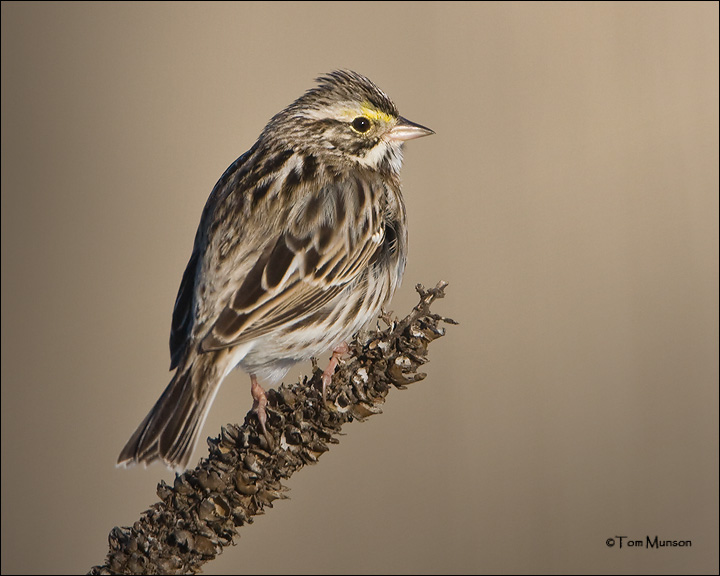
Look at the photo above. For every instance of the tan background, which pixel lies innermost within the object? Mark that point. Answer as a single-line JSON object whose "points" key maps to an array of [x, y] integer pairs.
{"points": [[570, 197]]}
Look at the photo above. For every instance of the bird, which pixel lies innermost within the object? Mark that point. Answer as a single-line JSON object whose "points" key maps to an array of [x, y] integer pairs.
{"points": [[301, 243]]}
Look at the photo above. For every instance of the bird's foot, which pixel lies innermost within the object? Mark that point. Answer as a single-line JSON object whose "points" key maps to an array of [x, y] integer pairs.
{"points": [[259, 402], [330, 370]]}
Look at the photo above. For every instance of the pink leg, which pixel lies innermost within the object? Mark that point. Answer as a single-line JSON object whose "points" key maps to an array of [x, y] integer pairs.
{"points": [[330, 370], [260, 401]]}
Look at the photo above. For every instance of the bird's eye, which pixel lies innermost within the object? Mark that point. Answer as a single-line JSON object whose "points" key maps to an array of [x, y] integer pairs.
{"points": [[361, 124]]}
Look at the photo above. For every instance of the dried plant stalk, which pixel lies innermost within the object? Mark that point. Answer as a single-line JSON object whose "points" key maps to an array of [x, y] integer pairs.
{"points": [[201, 513]]}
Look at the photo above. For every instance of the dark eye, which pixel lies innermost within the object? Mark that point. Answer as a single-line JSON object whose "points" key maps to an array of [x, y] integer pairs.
{"points": [[361, 124]]}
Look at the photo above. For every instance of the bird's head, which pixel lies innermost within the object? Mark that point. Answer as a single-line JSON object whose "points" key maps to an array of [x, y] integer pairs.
{"points": [[346, 118]]}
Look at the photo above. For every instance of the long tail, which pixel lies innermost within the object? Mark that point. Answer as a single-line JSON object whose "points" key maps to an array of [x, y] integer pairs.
{"points": [[170, 431]]}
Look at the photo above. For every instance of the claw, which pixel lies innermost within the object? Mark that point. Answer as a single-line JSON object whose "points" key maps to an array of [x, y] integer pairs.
{"points": [[259, 402], [330, 370]]}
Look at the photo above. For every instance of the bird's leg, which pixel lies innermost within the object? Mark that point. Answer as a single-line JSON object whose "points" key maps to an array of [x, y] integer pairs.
{"points": [[330, 370], [259, 402]]}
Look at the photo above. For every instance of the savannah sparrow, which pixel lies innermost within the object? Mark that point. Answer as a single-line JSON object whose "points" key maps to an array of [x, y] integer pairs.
{"points": [[301, 242]]}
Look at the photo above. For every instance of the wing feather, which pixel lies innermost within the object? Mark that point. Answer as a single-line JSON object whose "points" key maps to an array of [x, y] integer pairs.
{"points": [[182, 319], [299, 273]]}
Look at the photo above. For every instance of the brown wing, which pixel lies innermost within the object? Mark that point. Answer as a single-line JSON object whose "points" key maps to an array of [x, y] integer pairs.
{"points": [[182, 320], [304, 267]]}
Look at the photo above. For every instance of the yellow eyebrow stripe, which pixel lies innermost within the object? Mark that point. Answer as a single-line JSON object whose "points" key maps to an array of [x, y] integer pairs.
{"points": [[376, 115], [366, 110]]}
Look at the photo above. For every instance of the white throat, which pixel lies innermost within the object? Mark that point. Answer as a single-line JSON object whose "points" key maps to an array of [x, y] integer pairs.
{"points": [[383, 149]]}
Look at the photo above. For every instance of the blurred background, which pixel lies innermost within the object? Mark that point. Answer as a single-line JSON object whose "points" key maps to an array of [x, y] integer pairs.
{"points": [[570, 198]]}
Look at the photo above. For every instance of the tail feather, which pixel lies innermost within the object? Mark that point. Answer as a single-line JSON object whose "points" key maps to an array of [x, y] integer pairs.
{"points": [[169, 433]]}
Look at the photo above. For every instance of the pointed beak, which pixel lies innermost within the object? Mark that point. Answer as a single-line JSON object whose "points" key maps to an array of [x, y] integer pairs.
{"points": [[406, 130]]}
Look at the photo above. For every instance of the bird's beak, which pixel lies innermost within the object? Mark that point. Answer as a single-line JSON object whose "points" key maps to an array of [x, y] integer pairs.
{"points": [[406, 130]]}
